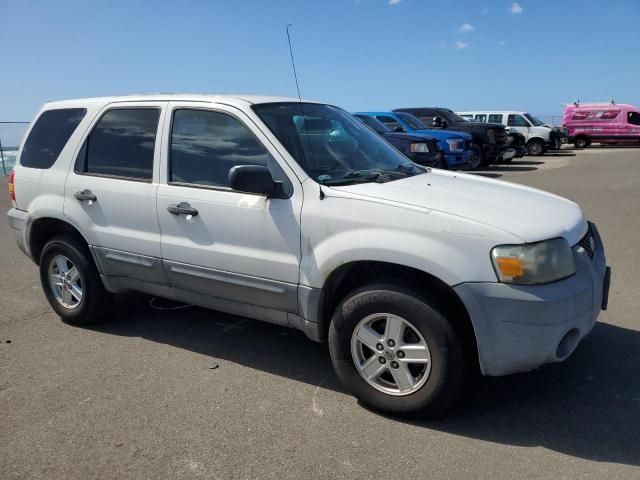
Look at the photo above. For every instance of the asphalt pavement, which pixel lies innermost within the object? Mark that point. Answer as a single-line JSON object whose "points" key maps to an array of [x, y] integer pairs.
{"points": [[165, 392]]}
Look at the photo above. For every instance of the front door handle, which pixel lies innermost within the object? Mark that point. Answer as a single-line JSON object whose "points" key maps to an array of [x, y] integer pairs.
{"points": [[182, 208], [85, 195]]}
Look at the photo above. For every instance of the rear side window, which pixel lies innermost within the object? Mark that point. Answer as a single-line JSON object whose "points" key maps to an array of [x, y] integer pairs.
{"points": [[49, 135], [121, 144], [390, 122], [481, 117], [205, 145], [495, 118]]}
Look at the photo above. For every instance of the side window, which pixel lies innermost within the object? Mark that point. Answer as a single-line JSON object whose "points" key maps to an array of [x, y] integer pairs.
{"points": [[49, 135], [390, 122], [610, 114], [495, 118], [517, 121], [121, 144], [634, 118], [205, 145], [481, 117]]}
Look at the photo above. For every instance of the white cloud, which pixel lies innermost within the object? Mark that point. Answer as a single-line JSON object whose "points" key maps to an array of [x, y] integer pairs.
{"points": [[460, 45], [502, 43], [466, 28], [515, 8], [394, 2]]}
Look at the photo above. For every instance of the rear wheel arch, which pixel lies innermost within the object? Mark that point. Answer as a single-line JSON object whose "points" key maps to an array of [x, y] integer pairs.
{"points": [[354, 275], [44, 229]]}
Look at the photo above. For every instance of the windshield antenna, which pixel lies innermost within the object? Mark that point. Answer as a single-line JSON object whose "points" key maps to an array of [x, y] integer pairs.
{"points": [[295, 76]]}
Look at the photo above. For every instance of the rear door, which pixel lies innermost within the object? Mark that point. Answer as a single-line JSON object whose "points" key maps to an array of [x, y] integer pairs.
{"points": [[110, 192], [239, 246]]}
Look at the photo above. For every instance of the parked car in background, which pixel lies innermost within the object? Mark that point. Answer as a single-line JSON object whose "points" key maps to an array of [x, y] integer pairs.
{"points": [[455, 146], [421, 149], [489, 140], [539, 137], [295, 213], [602, 123]]}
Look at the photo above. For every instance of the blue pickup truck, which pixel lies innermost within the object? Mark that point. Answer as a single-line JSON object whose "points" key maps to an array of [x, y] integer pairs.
{"points": [[456, 146], [420, 149]]}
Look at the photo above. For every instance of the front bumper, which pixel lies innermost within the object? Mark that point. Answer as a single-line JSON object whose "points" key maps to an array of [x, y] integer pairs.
{"points": [[20, 221], [431, 159], [458, 160], [521, 327]]}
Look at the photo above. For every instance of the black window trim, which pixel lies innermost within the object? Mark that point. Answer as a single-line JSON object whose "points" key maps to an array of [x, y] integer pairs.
{"points": [[83, 162], [202, 186], [32, 126]]}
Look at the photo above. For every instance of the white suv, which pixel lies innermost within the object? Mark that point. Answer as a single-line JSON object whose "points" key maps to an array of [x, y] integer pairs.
{"points": [[298, 214]]}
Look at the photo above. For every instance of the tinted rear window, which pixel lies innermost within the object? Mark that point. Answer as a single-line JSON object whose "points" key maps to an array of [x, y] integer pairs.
{"points": [[121, 144], [49, 135]]}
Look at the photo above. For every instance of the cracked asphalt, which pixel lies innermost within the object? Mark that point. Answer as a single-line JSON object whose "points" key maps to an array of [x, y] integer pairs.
{"points": [[137, 397]]}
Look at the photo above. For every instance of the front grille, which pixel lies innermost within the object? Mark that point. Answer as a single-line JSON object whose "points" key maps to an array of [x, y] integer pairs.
{"points": [[588, 242]]}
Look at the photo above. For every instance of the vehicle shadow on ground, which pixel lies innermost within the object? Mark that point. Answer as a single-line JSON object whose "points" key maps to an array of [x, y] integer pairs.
{"points": [[587, 407], [559, 153]]}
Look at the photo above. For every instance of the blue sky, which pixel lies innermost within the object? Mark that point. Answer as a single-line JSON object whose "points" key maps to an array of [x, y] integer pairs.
{"points": [[359, 54]]}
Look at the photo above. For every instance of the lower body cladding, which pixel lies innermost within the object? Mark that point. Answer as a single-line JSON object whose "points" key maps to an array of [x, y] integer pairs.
{"points": [[521, 327], [254, 297]]}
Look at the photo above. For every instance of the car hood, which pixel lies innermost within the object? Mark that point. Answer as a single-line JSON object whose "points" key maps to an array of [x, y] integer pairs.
{"points": [[528, 213], [443, 134], [413, 137]]}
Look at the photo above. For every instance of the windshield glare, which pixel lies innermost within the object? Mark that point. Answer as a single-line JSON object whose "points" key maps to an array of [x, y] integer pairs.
{"points": [[330, 144], [534, 120], [412, 121]]}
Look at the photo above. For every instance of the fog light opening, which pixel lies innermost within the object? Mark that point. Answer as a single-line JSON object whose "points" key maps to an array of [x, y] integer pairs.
{"points": [[568, 344]]}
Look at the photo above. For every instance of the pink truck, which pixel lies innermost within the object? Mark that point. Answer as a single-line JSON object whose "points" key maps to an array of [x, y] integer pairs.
{"points": [[601, 123]]}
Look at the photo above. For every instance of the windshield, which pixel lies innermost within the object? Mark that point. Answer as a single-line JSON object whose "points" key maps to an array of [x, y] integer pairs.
{"points": [[451, 116], [373, 123], [412, 121], [332, 146], [534, 120]]}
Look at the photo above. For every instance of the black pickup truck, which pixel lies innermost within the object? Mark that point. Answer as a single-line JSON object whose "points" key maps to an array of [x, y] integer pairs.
{"points": [[490, 140]]}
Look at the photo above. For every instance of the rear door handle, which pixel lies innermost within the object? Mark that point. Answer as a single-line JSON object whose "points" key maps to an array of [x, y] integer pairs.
{"points": [[86, 195], [182, 208]]}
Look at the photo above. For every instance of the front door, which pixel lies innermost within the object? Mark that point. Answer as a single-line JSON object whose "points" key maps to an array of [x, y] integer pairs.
{"points": [[232, 245], [110, 193], [518, 123]]}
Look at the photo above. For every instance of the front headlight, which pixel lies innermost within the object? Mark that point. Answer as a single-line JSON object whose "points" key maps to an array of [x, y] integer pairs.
{"points": [[455, 145], [528, 264], [420, 148]]}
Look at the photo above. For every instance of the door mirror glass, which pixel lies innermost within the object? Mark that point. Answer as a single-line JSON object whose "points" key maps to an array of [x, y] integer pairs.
{"points": [[255, 179], [439, 122]]}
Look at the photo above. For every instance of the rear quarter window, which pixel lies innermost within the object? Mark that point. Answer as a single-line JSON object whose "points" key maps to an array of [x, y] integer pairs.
{"points": [[49, 135]]}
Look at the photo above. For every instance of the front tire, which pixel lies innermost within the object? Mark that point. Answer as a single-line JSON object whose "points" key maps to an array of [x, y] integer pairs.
{"points": [[71, 282], [478, 159], [396, 351], [535, 147]]}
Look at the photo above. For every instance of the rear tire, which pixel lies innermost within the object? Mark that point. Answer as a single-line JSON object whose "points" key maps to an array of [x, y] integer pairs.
{"points": [[71, 282], [581, 142], [422, 389], [535, 147]]}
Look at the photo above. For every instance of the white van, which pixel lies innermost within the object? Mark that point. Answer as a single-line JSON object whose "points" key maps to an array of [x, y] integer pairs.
{"points": [[299, 214], [538, 135]]}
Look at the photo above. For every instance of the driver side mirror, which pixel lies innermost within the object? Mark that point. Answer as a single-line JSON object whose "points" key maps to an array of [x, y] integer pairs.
{"points": [[398, 129], [255, 179], [439, 122]]}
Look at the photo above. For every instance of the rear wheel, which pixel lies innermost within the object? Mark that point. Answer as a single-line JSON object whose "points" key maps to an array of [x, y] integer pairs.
{"points": [[535, 147], [581, 142], [396, 352], [71, 281]]}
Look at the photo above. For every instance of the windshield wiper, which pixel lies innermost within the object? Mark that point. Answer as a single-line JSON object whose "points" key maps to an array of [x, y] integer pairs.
{"points": [[352, 177]]}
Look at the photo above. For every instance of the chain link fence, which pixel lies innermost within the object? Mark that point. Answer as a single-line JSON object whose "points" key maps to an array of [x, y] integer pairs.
{"points": [[11, 134]]}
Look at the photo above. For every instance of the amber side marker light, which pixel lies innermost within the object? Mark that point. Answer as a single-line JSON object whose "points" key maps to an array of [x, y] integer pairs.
{"points": [[12, 189], [510, 267]]}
